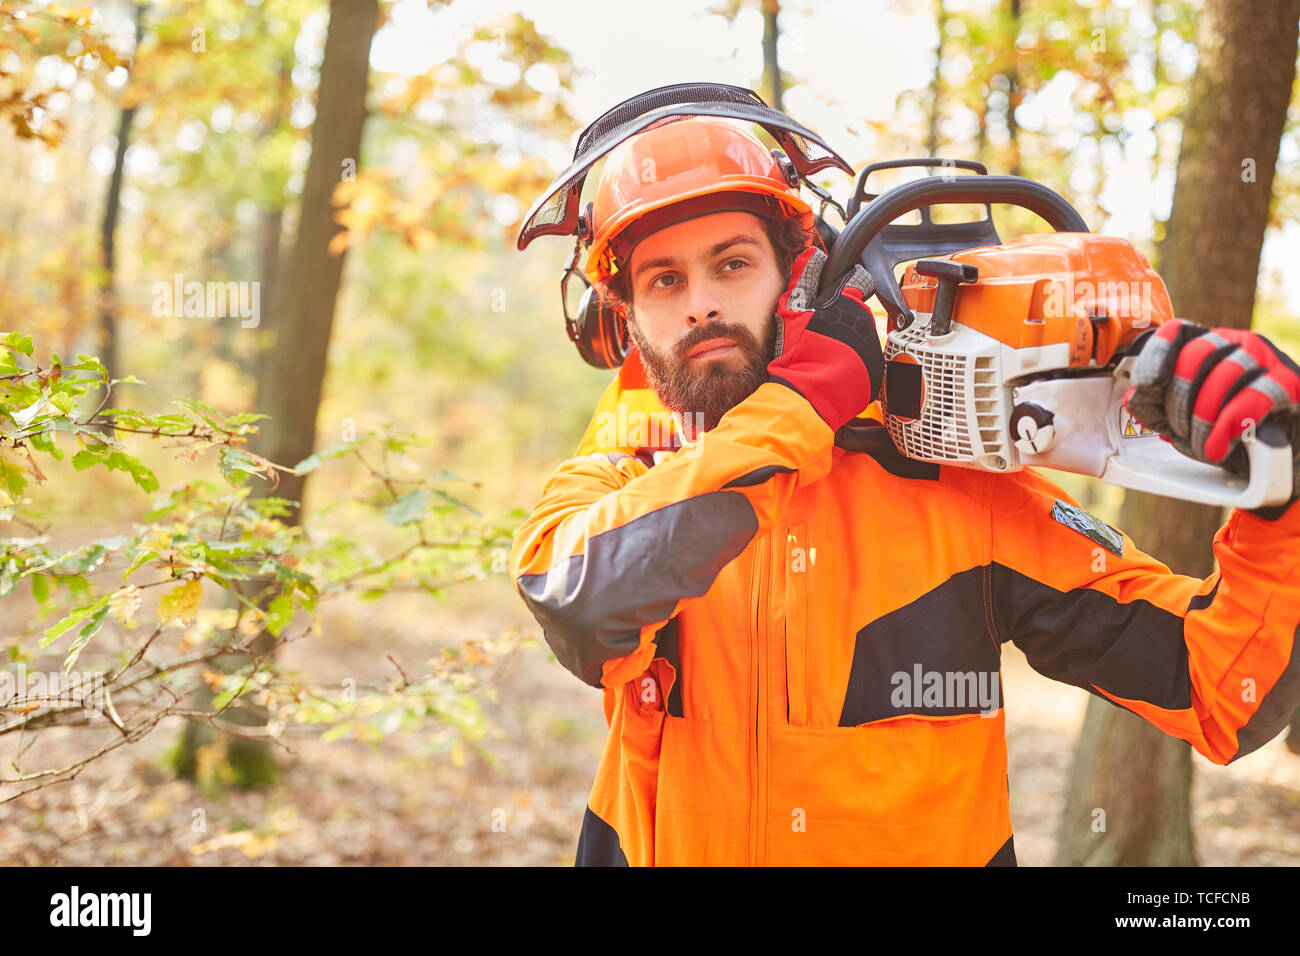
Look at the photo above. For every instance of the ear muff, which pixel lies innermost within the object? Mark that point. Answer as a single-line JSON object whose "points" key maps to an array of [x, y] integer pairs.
{"points": [[597, 329], [599, 332]]}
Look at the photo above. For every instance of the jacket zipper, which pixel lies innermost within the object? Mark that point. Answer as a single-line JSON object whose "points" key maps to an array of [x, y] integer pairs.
{"points": [[758, 808]]}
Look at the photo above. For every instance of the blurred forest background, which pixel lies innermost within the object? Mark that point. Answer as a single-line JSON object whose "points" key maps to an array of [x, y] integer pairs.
{"points": [[261, 252]]}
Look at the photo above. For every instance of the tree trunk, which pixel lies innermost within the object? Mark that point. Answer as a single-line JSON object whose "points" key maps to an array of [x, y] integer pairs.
{"points": [[107, 338], [270, 227], [1210, 261], [292, 371], [270, 224], [934, 107], [771, 66], [1013, 92], [1129, 797]]}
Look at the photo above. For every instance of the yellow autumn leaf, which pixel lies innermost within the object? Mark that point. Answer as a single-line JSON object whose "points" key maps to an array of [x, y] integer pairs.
{"points": [[181, 603], [158, 540]]}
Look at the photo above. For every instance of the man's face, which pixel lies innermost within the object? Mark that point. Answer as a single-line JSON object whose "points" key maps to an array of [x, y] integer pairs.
{"points": [[704, 314]]}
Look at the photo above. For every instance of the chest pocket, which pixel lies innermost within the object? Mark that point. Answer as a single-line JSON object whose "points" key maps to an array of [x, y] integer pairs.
{"points": [[799, 560]]}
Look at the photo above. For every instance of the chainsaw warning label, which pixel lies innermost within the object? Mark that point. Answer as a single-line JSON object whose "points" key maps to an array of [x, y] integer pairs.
{"points": [[1130, 427]]}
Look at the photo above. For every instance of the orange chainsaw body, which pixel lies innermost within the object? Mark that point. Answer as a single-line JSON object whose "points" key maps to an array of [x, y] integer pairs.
{"points": [[1095, 292]]}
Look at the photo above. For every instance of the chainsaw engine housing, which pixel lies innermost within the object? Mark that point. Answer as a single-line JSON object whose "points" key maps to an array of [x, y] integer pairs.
{"points": [[1043, 307]]}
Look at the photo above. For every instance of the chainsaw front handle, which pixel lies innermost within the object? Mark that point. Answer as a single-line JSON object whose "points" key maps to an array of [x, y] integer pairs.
{"points": [[1089, 431]]}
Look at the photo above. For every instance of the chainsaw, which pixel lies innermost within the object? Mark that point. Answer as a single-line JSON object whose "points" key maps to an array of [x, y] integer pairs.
{"points": [[1006, 354], [999, 354]]}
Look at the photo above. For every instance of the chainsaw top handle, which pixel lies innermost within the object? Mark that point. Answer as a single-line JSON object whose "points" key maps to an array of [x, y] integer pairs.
{"points": [[869, 238], [860, 194]]}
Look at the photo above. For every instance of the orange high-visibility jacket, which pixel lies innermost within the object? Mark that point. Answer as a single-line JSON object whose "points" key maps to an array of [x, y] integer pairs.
{"points": [[798, 634]]}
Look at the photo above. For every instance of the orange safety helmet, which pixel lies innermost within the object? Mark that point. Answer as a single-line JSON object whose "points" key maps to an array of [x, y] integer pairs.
{"points": [[672, 164]]}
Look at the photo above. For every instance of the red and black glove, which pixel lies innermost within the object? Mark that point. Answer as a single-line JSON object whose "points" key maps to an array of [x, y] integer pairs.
{"points": [[1203, 389], [828, 349]]}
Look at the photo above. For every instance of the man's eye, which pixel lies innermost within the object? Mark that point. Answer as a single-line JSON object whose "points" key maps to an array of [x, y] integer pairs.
{"points": [[667, 278], [740, 263]]}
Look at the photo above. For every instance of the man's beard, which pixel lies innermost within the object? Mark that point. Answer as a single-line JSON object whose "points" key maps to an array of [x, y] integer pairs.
{"points": [[702, 392]]}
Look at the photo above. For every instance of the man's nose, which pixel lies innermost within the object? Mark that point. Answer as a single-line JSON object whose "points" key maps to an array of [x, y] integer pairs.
{"points": [[704, 305]]}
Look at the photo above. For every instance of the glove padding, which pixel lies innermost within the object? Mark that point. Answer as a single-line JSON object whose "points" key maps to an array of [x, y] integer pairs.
{"points": [[1204, 389], [827, 349]]}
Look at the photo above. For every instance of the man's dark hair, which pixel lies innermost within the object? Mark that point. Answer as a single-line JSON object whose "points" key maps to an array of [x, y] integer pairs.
{"points": [[790, 235]]}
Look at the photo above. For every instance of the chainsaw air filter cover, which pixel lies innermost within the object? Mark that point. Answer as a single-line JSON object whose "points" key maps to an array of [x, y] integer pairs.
{"points": [[1092, 293]]}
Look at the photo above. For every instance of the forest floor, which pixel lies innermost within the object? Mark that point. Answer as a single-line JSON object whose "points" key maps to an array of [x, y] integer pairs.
{"points": [[395, 804]]}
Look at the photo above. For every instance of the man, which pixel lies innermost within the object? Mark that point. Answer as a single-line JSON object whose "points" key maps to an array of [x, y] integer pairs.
{"points": [[796, 629]]}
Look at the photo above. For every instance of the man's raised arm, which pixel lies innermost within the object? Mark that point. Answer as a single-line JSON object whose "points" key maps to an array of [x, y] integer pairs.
{"points": [[1215, 662], [616, 548]]}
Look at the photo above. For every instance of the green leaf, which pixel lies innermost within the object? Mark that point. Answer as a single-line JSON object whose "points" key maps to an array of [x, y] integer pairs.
{"points": [[140, 559], [25, 416], [89, 363], [139, 472], [279, 614], [88, 630], [116, 461], [337, 731], [458, 503], [87, 458], [200, 409], [64, 402], [234, 464], [13, 479], [40, 588], [245, 418], [312, 462], [307, 465], [92, 559], [45, 442], [78, 585], [78, 615], [408, 509], [18, 342]]}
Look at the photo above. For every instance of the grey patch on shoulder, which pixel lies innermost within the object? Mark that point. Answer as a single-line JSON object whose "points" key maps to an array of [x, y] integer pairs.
{"points": [[1089, 526]]}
